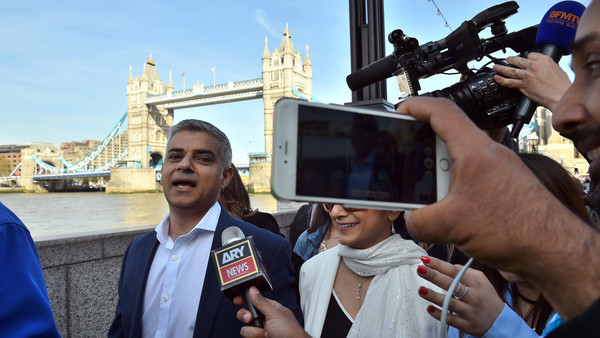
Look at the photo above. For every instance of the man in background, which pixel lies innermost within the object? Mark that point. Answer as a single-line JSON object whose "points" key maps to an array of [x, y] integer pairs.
{"points": [[24, 306]]}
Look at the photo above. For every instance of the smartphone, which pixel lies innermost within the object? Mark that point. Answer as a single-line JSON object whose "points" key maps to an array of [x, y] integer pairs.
{"points": [[356, 157]]}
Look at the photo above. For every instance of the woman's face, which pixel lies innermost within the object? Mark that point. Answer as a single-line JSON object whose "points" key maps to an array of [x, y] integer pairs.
{"points": [[363, 228], [333, 223]]}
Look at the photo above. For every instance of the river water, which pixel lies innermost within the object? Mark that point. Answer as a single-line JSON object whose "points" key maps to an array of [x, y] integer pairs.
{"points": [[55, 215]]}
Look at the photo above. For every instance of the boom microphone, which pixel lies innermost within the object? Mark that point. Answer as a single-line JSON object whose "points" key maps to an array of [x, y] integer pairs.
{"points": [[554, 36], [239, 267], [380, 69]]}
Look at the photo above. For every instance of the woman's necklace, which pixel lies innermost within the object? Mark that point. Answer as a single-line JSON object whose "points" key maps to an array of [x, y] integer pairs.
{"points": [[360, 284], [323, 245]]}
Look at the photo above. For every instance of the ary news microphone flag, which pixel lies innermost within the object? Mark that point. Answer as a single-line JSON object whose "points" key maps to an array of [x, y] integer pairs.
{"points": [[554, 36], [239, 267]]}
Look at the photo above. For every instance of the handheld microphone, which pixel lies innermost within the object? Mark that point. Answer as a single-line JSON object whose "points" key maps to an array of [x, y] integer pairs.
{"points": [[239, 267], [554, 36]]}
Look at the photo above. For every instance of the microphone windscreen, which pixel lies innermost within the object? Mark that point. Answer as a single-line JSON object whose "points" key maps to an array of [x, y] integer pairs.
{"points": [[231, 234], [376, 71], [559, 24]]}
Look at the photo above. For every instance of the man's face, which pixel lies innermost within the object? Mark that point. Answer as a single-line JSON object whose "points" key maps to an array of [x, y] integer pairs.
{"points": [[192, 173], [577, 116], [364, 135]]}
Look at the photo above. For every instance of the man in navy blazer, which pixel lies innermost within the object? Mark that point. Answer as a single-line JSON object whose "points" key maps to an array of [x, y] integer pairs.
{"points": [[168, 285]]}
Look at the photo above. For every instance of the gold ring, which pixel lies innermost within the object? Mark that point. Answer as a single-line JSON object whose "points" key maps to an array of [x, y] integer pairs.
{"points": [[517, 73]]}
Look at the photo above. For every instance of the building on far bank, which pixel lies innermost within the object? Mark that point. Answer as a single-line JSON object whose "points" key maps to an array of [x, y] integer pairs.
{"points": [[547, 141], [11, 154], [76, 151]]}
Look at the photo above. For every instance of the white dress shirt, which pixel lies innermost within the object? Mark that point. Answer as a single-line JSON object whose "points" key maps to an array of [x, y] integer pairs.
{"points": [[176, 278], [359, 180]]}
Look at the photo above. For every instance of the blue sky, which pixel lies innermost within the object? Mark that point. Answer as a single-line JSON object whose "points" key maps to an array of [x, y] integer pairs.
{"points": [[64, 64]]}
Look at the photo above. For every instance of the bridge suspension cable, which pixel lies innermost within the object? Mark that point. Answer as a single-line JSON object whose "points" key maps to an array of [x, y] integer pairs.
{"points": [[114, 160], [15, 170], [45, 166], [83, 163], [301, 96], [81, 166]]}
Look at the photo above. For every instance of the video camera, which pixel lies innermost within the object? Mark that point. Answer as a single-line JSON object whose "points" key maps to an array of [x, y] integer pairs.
{"points": [[487, 103]]}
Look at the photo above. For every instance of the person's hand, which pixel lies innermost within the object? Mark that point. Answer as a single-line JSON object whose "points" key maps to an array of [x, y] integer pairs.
{"points": [[538, 77], [496, 134], [489, 185], [280, 322], [498, 212], [474, 308]]}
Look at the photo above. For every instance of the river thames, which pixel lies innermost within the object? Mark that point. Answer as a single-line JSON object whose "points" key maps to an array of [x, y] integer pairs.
{"points": [[54, 215]]}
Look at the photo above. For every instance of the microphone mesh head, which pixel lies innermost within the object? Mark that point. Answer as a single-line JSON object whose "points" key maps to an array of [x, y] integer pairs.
{"points": [[231, 234]]}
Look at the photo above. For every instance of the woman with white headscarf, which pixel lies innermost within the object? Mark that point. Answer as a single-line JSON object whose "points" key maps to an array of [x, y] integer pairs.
{"points": [[366, 286]]}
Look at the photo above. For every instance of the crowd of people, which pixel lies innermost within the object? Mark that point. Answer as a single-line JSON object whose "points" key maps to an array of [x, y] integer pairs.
{"points": [[353, 272], [525, 222]]}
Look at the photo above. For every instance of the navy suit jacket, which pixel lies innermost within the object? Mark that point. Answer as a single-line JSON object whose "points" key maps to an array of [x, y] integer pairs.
{"points": [[216, 313]]}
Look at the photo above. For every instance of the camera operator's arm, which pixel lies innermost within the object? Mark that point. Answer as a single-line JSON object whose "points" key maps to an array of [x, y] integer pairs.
{"points": [[538, 77], [280, 322], [498, 212]]}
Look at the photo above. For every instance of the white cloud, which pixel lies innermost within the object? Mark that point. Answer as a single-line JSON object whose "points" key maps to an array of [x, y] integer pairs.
{"points": [[261, 17]]}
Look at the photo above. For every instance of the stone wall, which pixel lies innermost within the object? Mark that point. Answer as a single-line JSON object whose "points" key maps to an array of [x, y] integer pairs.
{"points": [[128, 180], [82, 273]]}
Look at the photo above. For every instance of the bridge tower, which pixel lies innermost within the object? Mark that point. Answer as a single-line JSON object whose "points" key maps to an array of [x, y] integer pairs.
{"points": [[46, 152], [148, 125], [282, 72]]}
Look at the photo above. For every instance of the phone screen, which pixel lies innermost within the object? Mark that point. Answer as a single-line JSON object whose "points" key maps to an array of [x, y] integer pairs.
{"points": [[357, 156]]}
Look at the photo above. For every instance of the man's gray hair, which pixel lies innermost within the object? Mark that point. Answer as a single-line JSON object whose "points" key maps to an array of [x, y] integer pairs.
{"points": [[199, 125]]}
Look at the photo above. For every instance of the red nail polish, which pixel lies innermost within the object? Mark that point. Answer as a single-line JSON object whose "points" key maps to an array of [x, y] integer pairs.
{"points": [[430, 309], [421, 269], [423, 291], [425, 259]]}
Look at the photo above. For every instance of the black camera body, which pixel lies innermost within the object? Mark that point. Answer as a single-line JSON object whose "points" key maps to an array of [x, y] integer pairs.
{"points": [[487, 103]]}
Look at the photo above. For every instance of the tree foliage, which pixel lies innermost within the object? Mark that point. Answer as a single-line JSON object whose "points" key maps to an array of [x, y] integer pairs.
{"points": [[4, 167]]}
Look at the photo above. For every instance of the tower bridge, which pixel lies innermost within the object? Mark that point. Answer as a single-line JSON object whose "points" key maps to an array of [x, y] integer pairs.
{"points": [[151, 106], [203, 96]]}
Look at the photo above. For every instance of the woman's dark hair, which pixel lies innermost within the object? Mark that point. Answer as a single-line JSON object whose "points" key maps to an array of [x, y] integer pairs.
{"points": [[319, 217], [235, 199], [560, 183]]}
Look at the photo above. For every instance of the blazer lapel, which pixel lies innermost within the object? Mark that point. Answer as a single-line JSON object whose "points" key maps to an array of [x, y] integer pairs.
{"points": [[149, 244], [211, 297]]}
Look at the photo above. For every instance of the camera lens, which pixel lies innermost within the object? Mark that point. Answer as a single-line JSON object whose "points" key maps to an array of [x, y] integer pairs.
{"points": [[487, 103]]}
